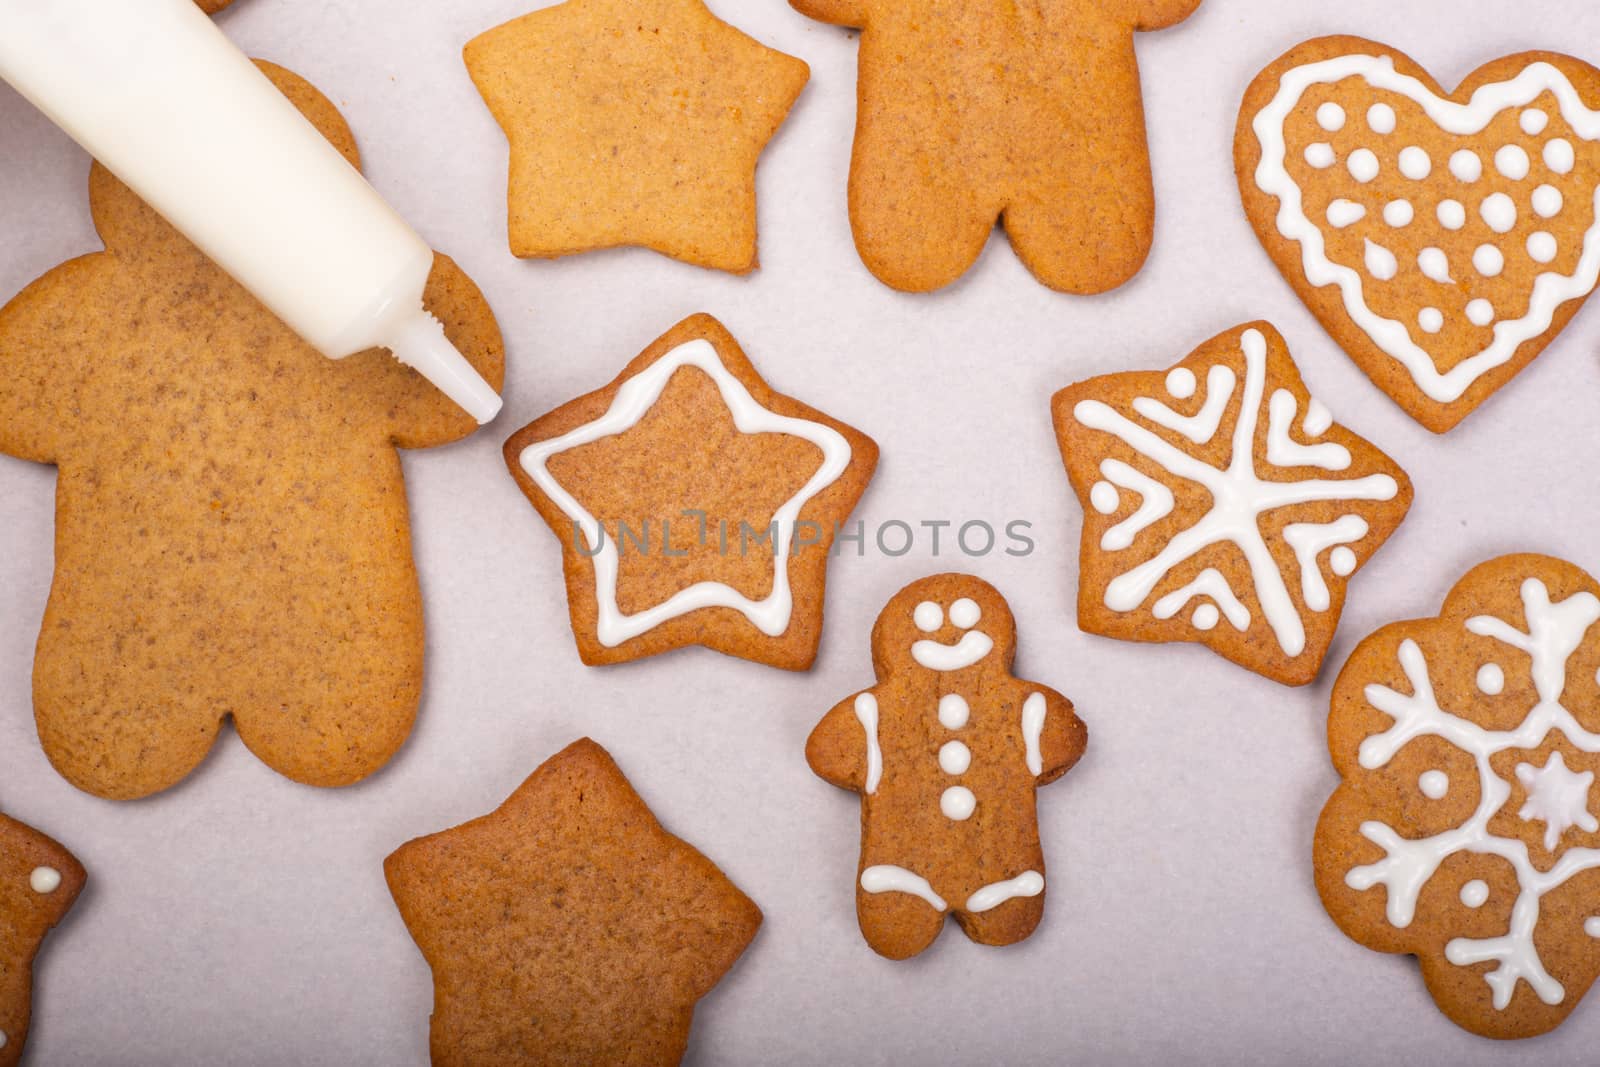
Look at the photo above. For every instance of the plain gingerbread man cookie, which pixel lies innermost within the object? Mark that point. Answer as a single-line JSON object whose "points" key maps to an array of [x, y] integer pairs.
{"points": [[1027, 112], [231, 528], [946, 751]]}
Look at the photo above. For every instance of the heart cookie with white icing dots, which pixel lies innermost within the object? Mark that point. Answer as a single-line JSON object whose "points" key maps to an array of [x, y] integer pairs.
{"points": [[1443, 239]]}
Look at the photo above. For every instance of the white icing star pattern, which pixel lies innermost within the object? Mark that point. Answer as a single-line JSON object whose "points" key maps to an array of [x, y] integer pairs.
{"points": [[1557, 797]]}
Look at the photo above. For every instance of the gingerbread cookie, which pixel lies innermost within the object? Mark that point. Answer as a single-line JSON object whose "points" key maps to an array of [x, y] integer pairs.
{"points": [[694, 505], [946, 751], [231, 527], [1444, 239], [1466, 830], [992, 110], [39, 881], [634, 122], [567, 926], [1222, 504]]}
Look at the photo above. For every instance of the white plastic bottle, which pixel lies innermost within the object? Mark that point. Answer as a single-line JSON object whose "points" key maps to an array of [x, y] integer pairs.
{"points": [[163, 99]]}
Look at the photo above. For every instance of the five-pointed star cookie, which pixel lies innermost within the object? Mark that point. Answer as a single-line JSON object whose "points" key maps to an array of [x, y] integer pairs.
{"points": [[39, 881], [634, 122], [567, 926], [694, 505]]}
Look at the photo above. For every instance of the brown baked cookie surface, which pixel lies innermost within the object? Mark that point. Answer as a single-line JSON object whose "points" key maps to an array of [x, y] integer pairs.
{"points": [[694, 505], [946, 750], [1030, 114], [1222, 504], [1466, 830], [633, 122], [231, 527], [567, 926], [39, 881], [1443, 239]]}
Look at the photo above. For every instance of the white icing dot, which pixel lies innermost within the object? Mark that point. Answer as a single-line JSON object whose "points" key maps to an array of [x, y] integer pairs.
{"points": [[1591, 926], [1558, 155], [1480, 312], [1475, 894], [1452, 215], [1180, 381], [1488, 260], [965, 613], [1499, 211], [1398, 213], [1466, 165], [1320, 155], [1511, 161], [1363, 165], [957, 803], [1104, 498], [1434, 784], [1542, 246], [1206, 617], [954, 757], [1343, 561], [1435, 264], [1380, 117], [1547, 201], [1491, 679], [44, 880], [1381, 263], [1431, 320], [1414, 163], [953, 711], [1533, 121], [1318, 418], [1330, 116], [1342, 213], [928, 616], [2, 1039]]}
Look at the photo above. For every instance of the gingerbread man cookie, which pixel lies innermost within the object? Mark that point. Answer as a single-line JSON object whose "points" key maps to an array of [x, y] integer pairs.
{"points": [[1029, 113], [231, 528], [39, 881], [946, 751]]}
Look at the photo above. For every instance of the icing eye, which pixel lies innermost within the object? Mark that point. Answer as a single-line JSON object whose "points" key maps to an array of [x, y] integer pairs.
{"points": [[928, 616], [44, 880], [965, 613]]}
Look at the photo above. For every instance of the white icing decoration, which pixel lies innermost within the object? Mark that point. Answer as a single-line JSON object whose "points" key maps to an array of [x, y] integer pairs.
{"points": [[1414, 163], [1320, 155], [973, 646], [44, 880], [1431, 320], [928, 616], [1555, 631], [1026, 884], [1380, 262], [1330, 116], [1380, 118], [1205, 617], [1480, 312], [1435, 265], [1452, 214], [1491, 679], [1181, 383], [1202, 425], [1499, 211], [953, 711], [1283, 451], [1475, 894], [1557, 797], [887, 878], [1239, 496], [1363, 165], [867, 715], [1542, 246], [1342, 561], [1533, 121], [1155, 503], [1512, 162], [965, 613], [1033, 712], [632, 402], [1591, 926], [1309, 540], [2, 1039], [1550, 290], [1398, 213], [1466, 166], [957, 803], [1488, 261], [1434, 784], [1103, 497], [1547, 201], [1209, 582], [1342, 213], [1318, 419], [954, 757]]}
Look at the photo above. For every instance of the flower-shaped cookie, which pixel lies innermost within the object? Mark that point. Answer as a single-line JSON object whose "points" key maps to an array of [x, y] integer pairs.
{"points": [[1467, 830], [1222, 504]]}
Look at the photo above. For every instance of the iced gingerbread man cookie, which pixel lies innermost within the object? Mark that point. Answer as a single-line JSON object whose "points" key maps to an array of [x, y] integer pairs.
{"points": [[39, 881], [946, 751], [1444, 239], [1222, 504]]}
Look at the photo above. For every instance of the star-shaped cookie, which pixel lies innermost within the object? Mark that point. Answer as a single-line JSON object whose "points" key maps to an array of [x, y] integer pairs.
{"points": [[39, 881], [567, 926], [634, 122], [694, 505]]}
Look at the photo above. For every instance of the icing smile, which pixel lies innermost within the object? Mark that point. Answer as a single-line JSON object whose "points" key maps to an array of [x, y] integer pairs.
{"points": [[937, 656]]}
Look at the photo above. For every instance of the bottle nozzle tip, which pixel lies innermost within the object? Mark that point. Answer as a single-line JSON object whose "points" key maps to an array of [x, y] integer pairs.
{"points": [[420, 343]]}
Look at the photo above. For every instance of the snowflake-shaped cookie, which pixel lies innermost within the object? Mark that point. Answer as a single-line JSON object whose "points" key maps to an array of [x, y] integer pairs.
{"points": [[1223, 505], [1466, 831]]}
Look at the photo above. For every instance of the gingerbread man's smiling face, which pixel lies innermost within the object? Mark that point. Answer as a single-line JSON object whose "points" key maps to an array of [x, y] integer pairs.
{"points": [[947, 623]]}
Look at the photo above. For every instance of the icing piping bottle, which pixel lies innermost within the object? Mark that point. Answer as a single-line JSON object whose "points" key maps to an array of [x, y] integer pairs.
{"points": [[169, 105]]}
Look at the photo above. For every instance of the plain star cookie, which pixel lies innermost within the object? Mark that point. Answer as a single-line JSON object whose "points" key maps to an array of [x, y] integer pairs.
{"points": [[946, 750], [694, 505], [1026, 113], [1222, 504], [1444, 239], [634, 122], [39, 881], [1466, 830], [567, 926], [232, 536]]}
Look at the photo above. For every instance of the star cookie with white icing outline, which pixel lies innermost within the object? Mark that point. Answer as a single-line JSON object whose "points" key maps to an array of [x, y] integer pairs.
{"points": [[1443, 239], [1222, 504], [694, 504], [947, 749], [39, 882], [1465, 830]]}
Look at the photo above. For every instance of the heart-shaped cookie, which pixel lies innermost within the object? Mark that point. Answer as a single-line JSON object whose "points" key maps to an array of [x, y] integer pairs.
{"points": [[1443, 239]]}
